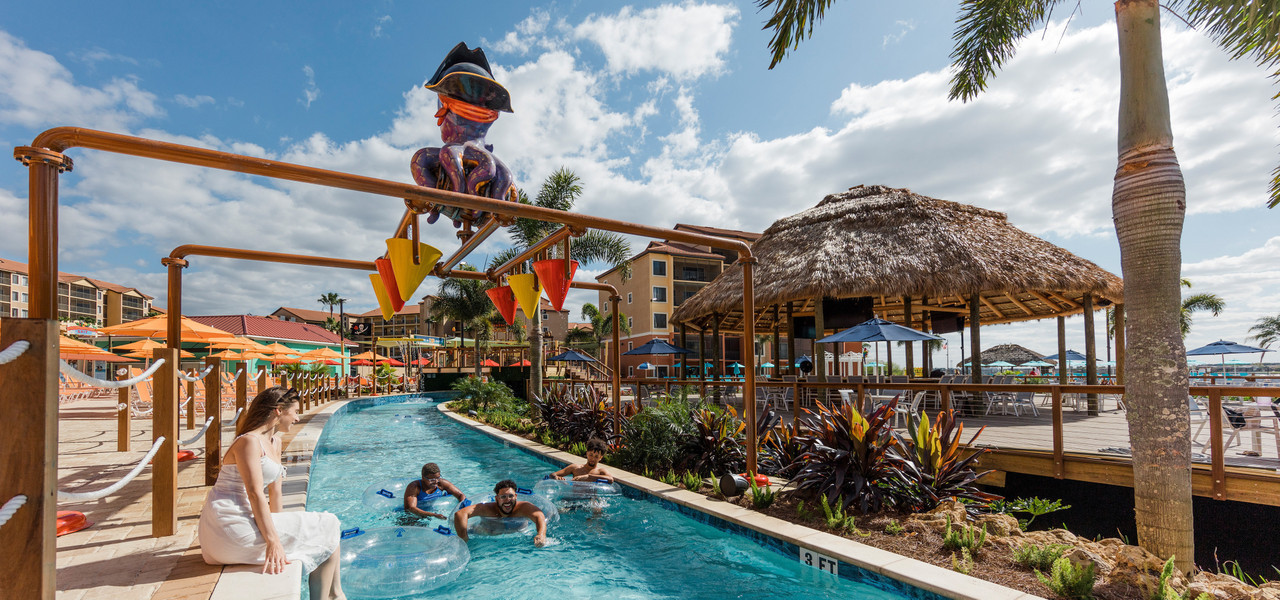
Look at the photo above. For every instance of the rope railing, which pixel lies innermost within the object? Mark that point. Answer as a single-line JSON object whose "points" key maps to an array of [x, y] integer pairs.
{"points": [[75, 374], [136, 412], [233, 419], [107, 491], [199, 434], [197, 377], [11, 507], [14, 351]]}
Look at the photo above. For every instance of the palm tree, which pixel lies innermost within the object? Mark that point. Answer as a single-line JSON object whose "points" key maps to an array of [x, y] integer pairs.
{"points": [[560, 191], [602, 326], [465, 302], [331, 299], [1266, 331], [1198, 302], [1148, 204]]}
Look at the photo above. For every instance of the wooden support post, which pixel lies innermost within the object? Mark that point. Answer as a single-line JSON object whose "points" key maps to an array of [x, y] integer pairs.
{"points": [[819, 353], [615, 358], [749, 384], [702, 362], [926, 325], [213, 408], [1090, 353], [124, 418], [262, 379], [191, 408], [1120, 348], [791, 342], [242, 392], [777, 346], [1217, 453], [30, 450], [1063, 369], [944, 397], [1058, 458], [164, 467], [975, 341], [909, 322]]}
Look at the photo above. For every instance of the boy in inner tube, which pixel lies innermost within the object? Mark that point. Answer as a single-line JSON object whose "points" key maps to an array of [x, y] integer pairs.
{"points": [[424, 490], [591, 470], [505, 506]]}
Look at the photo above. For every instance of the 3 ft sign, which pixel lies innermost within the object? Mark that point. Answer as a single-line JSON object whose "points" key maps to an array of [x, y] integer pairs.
{"points": [[819, 561]]}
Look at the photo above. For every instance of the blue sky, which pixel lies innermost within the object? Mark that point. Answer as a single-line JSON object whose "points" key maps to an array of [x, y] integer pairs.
{"points": [[667, 111]]}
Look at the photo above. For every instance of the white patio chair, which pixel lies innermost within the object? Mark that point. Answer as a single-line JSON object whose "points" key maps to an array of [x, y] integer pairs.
{"points": [[1199, 418], [1256, 423]]}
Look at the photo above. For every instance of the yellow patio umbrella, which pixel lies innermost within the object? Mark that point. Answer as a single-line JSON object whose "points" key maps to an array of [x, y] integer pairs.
{"points": [[323, 354], [157, 327], [146, 345]]}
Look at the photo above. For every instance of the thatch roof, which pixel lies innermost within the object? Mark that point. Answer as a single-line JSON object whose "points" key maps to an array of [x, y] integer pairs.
{"points": [[1010, 353], [889, 243]]}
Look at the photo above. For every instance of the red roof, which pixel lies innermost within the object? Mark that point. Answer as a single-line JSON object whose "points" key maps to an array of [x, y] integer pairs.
{"points": [[409, 309], [306, 314], [273, 329]]}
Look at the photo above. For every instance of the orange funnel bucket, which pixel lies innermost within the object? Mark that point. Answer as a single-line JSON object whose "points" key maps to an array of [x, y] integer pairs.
{"points": [[552, 275], [525, 287], [388, 276], [505, 300], [384, 302], [408, 275]]}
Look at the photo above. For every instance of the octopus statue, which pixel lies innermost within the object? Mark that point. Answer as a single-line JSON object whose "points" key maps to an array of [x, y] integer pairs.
{"points": [[470, 101]]}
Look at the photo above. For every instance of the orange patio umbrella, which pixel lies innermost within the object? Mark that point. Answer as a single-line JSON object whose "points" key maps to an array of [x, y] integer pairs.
{"points": [[369, 355], [323, 354], [227, 355], [234, 343], [157, 327], [146, 345], [278, 348], [146, 355], [72, 349]]}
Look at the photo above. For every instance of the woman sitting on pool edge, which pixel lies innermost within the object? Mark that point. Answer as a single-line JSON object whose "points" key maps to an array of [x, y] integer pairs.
{"points": [[504, 506], [425, 489], [242, 522]]}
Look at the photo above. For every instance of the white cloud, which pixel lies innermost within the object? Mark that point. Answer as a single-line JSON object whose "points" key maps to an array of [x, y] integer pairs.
{"points": [[904, 27], [686, 41], [311, 92], [381, 22], [37, 91], [94, 56], [193, 101], [528, 34]]}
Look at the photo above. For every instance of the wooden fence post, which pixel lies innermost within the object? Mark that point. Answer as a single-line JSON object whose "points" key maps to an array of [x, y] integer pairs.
{"points": [[242, 392], [30, 467], [124, 418], [164, 467], [213, 408]]}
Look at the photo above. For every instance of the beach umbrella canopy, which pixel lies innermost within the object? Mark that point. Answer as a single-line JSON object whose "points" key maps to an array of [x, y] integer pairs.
{"points": [[330, 363], [737, 365], [83, 331], [575, 356], [250, 355], [878, 330], [644, 366], [1072, 356], [998, 363], [322, 353], [234, 343], [158, 327], [146, 345], [657, 346], [422, 362], [1223, 347], [369, 355], [278, 348], [391, 361], [489, 362], [146, 355], [227, 355], [72, 349], [1036, 363], [362, 363], [522, 363], [767, 365]]}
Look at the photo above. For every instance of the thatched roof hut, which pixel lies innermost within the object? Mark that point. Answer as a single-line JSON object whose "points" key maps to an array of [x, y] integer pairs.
{"points": [[887, 244], [1010, 353]]}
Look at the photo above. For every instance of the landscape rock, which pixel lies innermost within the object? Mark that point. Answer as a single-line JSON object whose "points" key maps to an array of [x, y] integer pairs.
{"points": [[1226, 587], [998, 524], [1136, 568]]}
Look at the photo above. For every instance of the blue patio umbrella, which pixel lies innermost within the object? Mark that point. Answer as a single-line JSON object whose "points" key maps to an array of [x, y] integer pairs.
{"points": [[878, 330], [572, 356], [1223, 348], [767, 365], [737, 365], [1036, 363], [998, 363], [1072, 356], [658, 346], [644, 366]]}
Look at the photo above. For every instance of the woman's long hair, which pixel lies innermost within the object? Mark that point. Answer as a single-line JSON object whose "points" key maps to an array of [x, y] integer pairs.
{"points": [[261, 408]]}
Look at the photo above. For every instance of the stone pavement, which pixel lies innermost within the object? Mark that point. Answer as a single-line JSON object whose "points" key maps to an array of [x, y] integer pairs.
{"points": [[116, 557]]}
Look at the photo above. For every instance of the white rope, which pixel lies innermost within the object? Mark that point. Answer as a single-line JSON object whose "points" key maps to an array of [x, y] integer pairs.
{"points": [[199, 434], [103, 383], [11, 507], [14, 351], [193, 378], [233, 419], [107, 491], [239, 373]]}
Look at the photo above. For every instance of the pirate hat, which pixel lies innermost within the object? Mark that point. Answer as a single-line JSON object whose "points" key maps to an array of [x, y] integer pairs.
{"points": [[465, 75]]}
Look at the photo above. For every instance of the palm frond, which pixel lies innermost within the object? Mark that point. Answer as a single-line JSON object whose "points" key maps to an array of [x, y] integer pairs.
{"points": [[600, 246], [1266, 331], [792, 21], [986, 36]]}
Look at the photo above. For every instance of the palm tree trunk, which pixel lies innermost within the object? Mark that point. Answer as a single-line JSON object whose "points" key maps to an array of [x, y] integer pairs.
{"points": [[1148, 204], [476, 338]]}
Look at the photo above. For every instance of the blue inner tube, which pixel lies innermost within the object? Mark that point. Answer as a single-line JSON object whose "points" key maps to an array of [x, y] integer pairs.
{"points": [[565, 489], [394, 562], [506, 525], [388, 495]]}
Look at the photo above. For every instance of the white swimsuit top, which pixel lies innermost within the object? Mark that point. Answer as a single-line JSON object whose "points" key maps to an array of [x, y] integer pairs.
{"points": [[229, 477]]}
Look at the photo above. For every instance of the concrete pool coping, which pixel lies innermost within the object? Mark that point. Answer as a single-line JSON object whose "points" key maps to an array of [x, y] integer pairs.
{"points": [[915, 573]]}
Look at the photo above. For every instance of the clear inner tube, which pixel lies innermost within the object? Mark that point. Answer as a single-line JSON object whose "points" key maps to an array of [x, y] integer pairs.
{"points": [[508, 525], [395, 562], [565, 489], [388, 495]]}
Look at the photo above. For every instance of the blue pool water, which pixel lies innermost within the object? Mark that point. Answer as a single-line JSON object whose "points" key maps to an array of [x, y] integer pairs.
{"points": [[636, 547]]}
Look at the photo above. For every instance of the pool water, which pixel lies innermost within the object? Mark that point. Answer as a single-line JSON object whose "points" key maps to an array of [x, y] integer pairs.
{"points": [[636, 547]]}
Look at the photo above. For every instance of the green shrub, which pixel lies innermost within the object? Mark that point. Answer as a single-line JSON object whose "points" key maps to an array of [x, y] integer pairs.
{"points": [[1033, 506], [578, 448], [1068, 580], [963, 536], [652, 439], [715, 441], [691, 481], [483, 396], [836, 518], [894, 528], [761, 497], [670, 478], [965, 562], [1164, 592], [1036, 557]]}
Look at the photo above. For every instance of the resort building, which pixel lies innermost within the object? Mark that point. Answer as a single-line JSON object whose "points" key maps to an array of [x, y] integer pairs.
{"points": [[81, 299], [300, 336], [663, 276], [303, 315]]}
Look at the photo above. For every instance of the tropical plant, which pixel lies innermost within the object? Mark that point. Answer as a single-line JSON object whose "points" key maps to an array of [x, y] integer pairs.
{"points": [[835, 517], [465, 302], [1266, 331], [894, 527], [1164, 591], [846, 456], [331, 299], [482, 396], [1037, 557], [650, 439], [1148, 206], [1068, 580], [670, 478], [691, 481], [602, 327], [560, 191], [573, 417], [332, 324], [934, 466], [761, 497], [780, 450], [1196, 303], [1034, 506], [959, 535], [964, 564], [715, 442]]}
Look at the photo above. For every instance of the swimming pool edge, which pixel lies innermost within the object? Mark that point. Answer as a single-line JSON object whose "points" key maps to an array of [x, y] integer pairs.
{"points": [[918, 574]]}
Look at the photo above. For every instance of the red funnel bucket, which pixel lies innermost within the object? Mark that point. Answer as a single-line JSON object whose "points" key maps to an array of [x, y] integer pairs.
{"points": [[388, 276], [554, 280], [505, 300]]}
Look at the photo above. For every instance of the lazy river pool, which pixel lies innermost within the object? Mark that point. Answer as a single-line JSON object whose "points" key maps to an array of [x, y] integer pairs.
{"points": [[636, 546]]}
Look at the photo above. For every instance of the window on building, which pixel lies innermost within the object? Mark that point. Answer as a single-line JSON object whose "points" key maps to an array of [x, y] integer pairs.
{"points": [[24, 297], [24, 280], [630, 323], [24, 313], [16, 296], [660, 268], [544, 315], [629, 343], [16, 278], [628, 297], [659, 294], [631, 371], [659, 320], [15, 312]]}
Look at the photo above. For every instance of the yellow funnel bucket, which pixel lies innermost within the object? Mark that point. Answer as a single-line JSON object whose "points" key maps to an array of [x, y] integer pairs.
{"points": [[527, 291], [384, 301], [409, 275]]}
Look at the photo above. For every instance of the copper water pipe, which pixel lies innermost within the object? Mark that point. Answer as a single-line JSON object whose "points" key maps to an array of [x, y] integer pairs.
{"points": [[554, 238], [275, 257], [42, 227], [469, 244]]}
